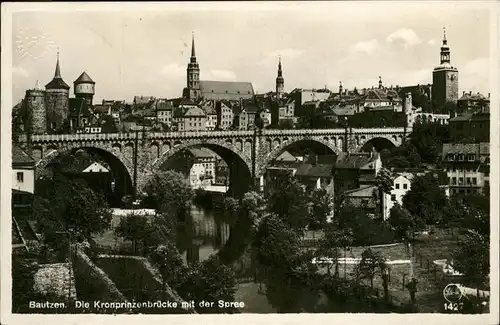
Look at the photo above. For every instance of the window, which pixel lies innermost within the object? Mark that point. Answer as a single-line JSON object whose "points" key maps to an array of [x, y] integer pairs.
{"points": [[468, 180], [20, 177], [474, 180], [486, 174], [393, 197], [451, 157], [405, 186], [460, 181], [471, 158], [460, 157], [397, 186]]}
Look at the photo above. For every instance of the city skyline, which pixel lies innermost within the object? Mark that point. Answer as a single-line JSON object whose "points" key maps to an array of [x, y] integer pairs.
{"points": [[136, 53]]}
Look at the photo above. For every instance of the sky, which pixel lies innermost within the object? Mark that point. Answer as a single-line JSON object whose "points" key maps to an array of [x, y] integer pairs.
{"points": [[144, 49]]}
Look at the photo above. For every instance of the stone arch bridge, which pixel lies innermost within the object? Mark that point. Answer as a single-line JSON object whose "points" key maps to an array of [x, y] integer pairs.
{"points": [[247, 153]]}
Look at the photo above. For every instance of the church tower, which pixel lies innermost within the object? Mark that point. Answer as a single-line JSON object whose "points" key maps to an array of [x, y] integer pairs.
{"points": [[444, 78], [56, 101], [192, 90], [84, 87], [280, 82]]}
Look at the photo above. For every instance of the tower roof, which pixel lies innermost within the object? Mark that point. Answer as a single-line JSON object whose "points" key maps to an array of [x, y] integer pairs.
{"points": [[57, 82], [193, 53], [84, 78]]}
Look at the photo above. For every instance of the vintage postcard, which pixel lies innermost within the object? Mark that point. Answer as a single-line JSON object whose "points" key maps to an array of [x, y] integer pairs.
{"points": [[280, 162]]}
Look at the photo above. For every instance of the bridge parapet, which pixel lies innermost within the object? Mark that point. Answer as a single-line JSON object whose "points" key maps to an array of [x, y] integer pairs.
{"points": [[303, 132], [199, 134]]}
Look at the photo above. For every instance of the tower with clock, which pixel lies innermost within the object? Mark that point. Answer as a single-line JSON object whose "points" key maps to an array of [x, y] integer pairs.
{"points": [[444, 78]]}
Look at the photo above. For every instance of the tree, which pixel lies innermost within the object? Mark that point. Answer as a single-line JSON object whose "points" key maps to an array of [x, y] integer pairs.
{"points": [[384, 184], [211, 281], [371, 264], [289, 201], [108, 124], [276, 243], [277, 250], [169, 262], [133, 227], [425, 199], [168, 191], [72, 207], [428, 138], [285, 124], [472, 257], [401, 220], [328, 246], [321, 208]]}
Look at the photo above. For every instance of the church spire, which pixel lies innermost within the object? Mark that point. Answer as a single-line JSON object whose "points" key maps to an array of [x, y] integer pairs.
{"points": [[280, 72], [280, 81], [193, 53], [445, 50], [380, 82], [57, 74]]}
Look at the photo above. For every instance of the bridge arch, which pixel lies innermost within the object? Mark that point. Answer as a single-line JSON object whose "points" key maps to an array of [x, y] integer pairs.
{"points": [[276, 151], [379, 143], [234, 154], [121, 168]]}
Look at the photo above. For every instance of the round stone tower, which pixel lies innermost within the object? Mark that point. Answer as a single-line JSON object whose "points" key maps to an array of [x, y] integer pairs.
{"points": [[35, 119], [84, 87], [56, 101]]}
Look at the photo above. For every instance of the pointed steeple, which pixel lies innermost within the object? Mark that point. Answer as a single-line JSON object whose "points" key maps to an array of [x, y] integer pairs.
{"points": [[445, 50], [57, 74], [37, 86], [280, 81], [379, 82], [193, 52], [280, 72], [57, 82]]}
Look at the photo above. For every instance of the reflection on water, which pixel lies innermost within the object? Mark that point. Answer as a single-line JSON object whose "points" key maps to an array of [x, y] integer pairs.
{"points": [[210, 232]]}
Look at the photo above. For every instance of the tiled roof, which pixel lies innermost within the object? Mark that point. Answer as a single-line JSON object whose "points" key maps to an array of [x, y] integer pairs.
{"points": [[350, 160], [320, 170], [362, 191], [194, 111], [226, 89], [470, 96], [57, 83], [164, 105], [286, 156], [102, 109], [20, 157], [78, 106], [250, 106], [143, 99], [463, 148], [201, 153], [209, 110], [84, 78], [463, 117]]}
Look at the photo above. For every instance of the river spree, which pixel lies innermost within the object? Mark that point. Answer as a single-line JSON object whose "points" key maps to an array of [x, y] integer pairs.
{"points": [[210, 232]]}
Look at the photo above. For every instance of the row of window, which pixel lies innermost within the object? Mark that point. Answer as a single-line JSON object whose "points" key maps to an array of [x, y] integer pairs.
{"points": [[460, 181], [460, 157]]}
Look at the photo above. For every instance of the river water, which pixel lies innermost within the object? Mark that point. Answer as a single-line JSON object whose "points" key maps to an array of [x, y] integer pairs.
{"points": [[207, 226]]}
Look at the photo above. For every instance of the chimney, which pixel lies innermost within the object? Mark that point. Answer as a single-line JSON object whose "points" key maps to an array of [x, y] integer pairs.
{"points": [[463, 93], [488, 95], [470, 93]]}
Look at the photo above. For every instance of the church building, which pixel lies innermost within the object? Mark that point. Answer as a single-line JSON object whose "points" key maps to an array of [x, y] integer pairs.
{"points": [[212, 90]]}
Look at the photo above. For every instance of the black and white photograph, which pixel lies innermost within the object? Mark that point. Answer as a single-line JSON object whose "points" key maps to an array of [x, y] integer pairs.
{"points": [[237, 158]]}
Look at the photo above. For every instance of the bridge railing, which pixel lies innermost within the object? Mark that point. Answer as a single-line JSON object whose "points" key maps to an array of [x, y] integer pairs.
{"points": [[202, 134]]}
